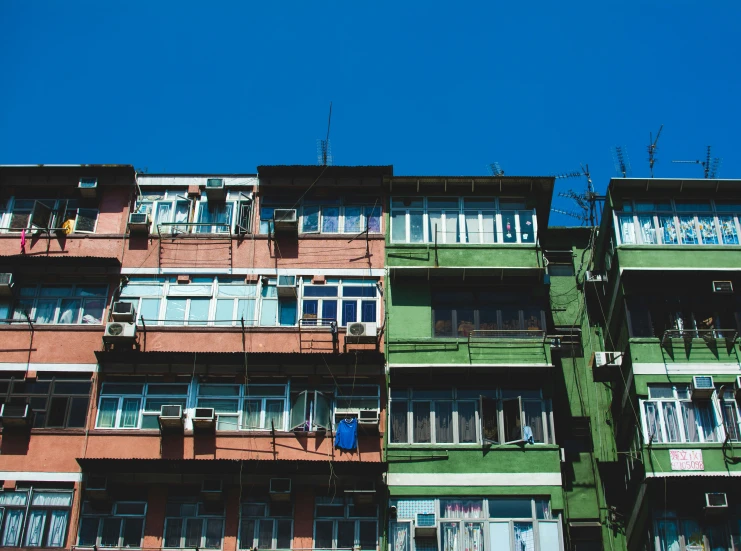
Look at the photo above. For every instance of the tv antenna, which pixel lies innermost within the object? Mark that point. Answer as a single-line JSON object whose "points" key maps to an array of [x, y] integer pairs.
{"points": [[323, 147], [621, 160], [652, 149], [710, 165], [586, 201], [495, 169]]}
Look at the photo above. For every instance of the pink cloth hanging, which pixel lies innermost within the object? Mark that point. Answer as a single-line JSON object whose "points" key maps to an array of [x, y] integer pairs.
{"points": [[23, 241]]}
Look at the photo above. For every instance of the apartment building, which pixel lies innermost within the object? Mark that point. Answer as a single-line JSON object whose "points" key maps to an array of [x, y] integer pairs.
{"points": [[665, 285], [181, 352]]}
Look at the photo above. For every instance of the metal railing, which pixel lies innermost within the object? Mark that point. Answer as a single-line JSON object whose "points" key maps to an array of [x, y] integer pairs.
{"points": [[191, 229], [326, 323], [705, 334], [507, 334]]}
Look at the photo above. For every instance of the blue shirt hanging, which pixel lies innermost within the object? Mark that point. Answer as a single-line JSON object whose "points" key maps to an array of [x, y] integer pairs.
{"points": [[347, 434]]}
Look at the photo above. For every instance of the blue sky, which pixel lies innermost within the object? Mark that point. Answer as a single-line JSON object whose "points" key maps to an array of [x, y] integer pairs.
{"points": [[432, 88]]}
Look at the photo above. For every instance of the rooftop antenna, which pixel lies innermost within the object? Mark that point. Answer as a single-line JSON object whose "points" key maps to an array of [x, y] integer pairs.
{"points": [[495, 169], [324, 148], [621, 160], [586, 201], [652, 149], [710, 165]]}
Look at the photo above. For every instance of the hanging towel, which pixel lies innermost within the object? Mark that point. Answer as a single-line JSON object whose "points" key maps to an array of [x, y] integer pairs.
{"points": [[527, 434], [23, 241], [347, 434]]}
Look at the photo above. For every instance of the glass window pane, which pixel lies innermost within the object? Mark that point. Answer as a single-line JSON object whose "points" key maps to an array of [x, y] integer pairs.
{"points": [[499, 536], [367, 534], [349, 311], [398, 227], [668, 230], [466, 422], [331, 219], [57, 411], [345, 534], [352, 220], [329, 310], [46, 311], [198, 314], [465, 321], [509, 227], [323, 534], [269, 313], [246, 311], [224, 312], [274, 414], [88, 532], [510, 508], [527, 230], [193, 530], [251, 414], [214, 529], [421, 426], [69, 311], [173, 531], [373, 218], [130, 413], [524, 536], [311, 218], [368, 311], [175, 311], [111, 532], [107, 413], [416, 227], [534, 419], [398, 422], [450, 536], [283, 537], [247, 533], [320, 291], [57, 532], [653, 423], [444, 422], [265, 534], [443, 318], [728, 230], [92, 311], [287, 311], [35, 528], [671, 423]]}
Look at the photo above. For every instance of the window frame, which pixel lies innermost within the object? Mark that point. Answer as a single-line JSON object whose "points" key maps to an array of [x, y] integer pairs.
{"points": [[347, 516], [268, 515], [200, 514], [38, 298], [58, 210], [718, 429], [113, 514], [28, 507], [339, 299], [142, 398], [11, 396], [241, 398]]}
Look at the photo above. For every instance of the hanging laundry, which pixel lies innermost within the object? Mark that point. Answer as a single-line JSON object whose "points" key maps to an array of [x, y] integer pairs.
{"points": [[347, 434], [23, 241], [527, 434]]}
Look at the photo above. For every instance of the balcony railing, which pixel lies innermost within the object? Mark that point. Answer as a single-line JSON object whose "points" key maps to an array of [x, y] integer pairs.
{"points": [[730, 335], [507, 334]]}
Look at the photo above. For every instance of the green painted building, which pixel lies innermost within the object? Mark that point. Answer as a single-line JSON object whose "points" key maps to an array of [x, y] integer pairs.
{"points": [[498, 437], [664, 291]]}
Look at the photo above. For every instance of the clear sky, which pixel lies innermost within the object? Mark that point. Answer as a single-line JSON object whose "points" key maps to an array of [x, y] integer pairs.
{"points": [[432, 88]]}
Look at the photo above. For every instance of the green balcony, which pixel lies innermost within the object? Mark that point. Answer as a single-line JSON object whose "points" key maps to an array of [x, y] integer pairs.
{"points": [[687, 347], [429, 255]]}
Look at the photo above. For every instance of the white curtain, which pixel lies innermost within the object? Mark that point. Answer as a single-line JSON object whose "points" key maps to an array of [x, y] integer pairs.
{"points": [[627, 230], [473, 536], [653, 423], [690, 422], [473, 232], [450, 537], [436, 226], [670, 421], [548, 536], [462, 508]]}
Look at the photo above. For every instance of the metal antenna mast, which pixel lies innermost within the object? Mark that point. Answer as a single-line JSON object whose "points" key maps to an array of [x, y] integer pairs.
{"points": [[495, 169], [324, 148], [586, 201], [710, 165], [621, 160], [652, 149]]}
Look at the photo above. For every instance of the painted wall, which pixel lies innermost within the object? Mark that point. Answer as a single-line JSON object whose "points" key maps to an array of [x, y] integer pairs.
{"points": [[494, 256]]}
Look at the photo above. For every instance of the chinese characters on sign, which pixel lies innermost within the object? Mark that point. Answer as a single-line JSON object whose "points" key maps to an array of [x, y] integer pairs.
{"points": [[686, 460]]}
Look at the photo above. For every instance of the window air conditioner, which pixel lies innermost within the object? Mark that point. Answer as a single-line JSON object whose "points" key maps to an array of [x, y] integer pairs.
{"points": [[15, 415], [608, 359], [285, 220], [96, 487], [723, 287], [368, 417], [286, 286], [362, 492], [88, 187], [215, 190], [212, 488], [6, 285], [138, 222], [424, 526], [593, 277], [280, 489], [716, 500], [171, 417], [123, 311], [204, 418], [122, 332], [702, 387], [362, 332]]}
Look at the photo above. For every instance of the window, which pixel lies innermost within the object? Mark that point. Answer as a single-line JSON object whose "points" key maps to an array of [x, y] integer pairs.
{"points": [[560, 263], [218, 214], [458, 313], [670, 415], [137, 405], [461, 416], [48, 215], [41, 515], [679, 222], [494, 524], [311, 410], [342, 301], [470, 220], [266, 526], [55, 402], [193, 525], [245, 407], [62, 304], [118, 524], [328, 216], [682, 533], [342, 525]]}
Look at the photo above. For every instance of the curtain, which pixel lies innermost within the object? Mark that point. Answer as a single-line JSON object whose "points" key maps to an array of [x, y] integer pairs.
{"points": [[728, 230], [648, 232], [653, 423], [687, 230], [12, 532], [274, 414], [708, 230], [310, 219], [251, 414], [373, 218], [671, 423], [730, 420], [667, 535], [450, 537], [668, 230], [398, 422], [92, 311], [444, 422], [466, 422], [331, 220], [534, 419], [181, 214], [45, 310], [35, 528], [59, 499], [163, 213], [352, 220], [398, 227], [690, 422], [13, 498], [451, 227], [462, 508], [214, 527], [69, 311], [473, 536], [473, 231], [435, 226], [524, 536], [706, 420], [421, 427], [57, 528], [400, 536]]}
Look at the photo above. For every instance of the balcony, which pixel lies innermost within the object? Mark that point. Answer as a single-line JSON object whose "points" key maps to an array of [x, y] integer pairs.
{"points": [[678, 348]]}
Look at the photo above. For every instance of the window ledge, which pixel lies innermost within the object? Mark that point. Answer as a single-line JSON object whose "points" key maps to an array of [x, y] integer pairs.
{"points": [[22, 325], [320, 236], [471, 447], [675, 247], [233, 329], [59, 431], [390, 245], [689, 445]]}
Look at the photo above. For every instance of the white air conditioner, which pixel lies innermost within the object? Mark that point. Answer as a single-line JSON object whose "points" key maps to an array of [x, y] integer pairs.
{"points": [[716, 500], [15, 415], [215, 190], [204, 418], [608, 359], [287, 286], [123, 311], [6, 284], [280, 489], [723, 287], [171, 417], [88, 187], [138, 222], [702, 387], [212, 488], [369, 417], [117, 331], [285, 220], [593, 277], [96, 486], [425, 526], [362, 332], [362, 492]]}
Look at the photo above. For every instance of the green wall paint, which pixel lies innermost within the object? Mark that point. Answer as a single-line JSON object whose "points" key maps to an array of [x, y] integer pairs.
{"points": [[481, 256]]}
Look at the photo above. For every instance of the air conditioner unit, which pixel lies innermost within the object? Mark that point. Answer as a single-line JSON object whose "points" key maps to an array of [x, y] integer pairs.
{"points": [[702, 387], [123, 311], [723, 287], [286, 286], [88, 187], [96, 487], [362, 492], [608, 359], [716, 500], [424, 526], [285, 220], [204, 419], [369, 417], [212, 488], [362, 332], [15, 415], [6, 284], [280, 489], [116, 331], [138, 222], [171, 417], [593, 277], [215, 190]]}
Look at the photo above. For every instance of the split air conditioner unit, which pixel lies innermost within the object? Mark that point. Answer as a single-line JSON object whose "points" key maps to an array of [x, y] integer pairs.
{"points": [[88, 187], [119, 332], [123, 311], [702, 387], [6, 285], [215, 190], [280, 489], [138, 222], [362, 333]]}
